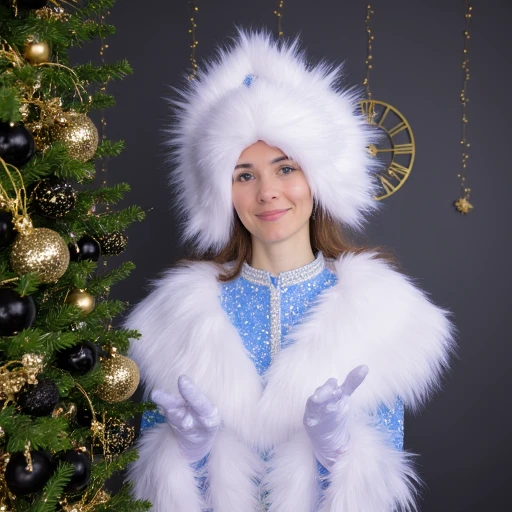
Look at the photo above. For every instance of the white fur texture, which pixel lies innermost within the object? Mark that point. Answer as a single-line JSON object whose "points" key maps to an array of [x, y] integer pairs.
{"points": [[373, 316], [291, 105]]}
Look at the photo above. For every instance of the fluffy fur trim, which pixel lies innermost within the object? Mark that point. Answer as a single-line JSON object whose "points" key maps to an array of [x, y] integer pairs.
{"points": [[290, 105], [373, 316], [162, 475], [372, 476]]}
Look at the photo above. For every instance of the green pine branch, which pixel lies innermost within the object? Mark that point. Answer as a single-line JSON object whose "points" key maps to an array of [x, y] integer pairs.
{"points": [[45, 433], [54, 488]]}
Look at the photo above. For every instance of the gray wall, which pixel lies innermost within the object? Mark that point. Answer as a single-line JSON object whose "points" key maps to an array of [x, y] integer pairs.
{"points": [[462, 436]]}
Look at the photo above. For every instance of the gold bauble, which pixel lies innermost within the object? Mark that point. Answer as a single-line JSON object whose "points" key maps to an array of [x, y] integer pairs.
{"points": [[78, 133], [37, 53], [41, 251], [80, 298], [121, 378]]}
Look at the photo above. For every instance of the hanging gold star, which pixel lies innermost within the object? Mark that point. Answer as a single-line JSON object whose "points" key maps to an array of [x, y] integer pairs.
{"points": [[463, 205]]}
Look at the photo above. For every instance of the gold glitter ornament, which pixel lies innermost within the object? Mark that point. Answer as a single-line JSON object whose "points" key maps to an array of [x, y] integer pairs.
{"points": [[41, 251], [80, 298], [36, 52], [78, 133], [121, 378]]}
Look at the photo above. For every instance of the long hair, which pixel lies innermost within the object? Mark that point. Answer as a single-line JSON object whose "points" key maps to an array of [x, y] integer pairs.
{"points": [[325, 235]]}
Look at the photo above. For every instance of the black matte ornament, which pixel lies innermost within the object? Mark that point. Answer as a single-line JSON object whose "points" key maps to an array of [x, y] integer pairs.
{"points": [[7, 233], [32, 4], [16, 312], [17, 144], [79, 359], [54, 197], [85, 249], [21, 480], [82, 465], [113, 244], [39, 400]]}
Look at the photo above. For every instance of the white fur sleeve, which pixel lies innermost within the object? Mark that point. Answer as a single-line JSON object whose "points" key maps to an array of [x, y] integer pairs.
{"points": [[372, 476], [161, 475]]}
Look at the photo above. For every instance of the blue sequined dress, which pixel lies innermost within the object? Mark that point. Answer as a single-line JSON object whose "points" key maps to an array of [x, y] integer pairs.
{"points": [[263, 309]]}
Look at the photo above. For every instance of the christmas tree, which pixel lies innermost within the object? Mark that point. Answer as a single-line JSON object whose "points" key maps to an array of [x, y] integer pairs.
{"points": [[64, 383]]}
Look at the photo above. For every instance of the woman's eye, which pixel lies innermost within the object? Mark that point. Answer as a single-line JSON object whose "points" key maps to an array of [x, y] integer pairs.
{"points": [[245, 176], [286, 169]]}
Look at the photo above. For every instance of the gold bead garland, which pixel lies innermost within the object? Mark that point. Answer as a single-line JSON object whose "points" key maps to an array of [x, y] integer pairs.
{"points": [[369, 55], [279, 15], [192, 31], [463, 204]]}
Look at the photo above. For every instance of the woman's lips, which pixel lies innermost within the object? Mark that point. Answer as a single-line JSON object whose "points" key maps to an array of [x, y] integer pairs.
{"points": [[271, 214]]}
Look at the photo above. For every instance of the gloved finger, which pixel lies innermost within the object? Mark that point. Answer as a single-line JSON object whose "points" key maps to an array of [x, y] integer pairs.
{"points": [[324, 393], [166, 400], [210, 422], [354, 379], [176, 416], [199, 402], [187, 422]]}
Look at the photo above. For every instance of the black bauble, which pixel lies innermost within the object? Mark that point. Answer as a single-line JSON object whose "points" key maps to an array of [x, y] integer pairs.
{"points": [[84, 417], [16, 312], [20, 480], [7, 233], [117, 437], [113, 244], [79, 359], [82, 464], [17, 144], [54, 197], [32, 4], [85, 249], [41, 399]]}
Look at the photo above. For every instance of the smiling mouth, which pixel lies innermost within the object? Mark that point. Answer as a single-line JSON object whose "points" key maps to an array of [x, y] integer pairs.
{"points": [[272, 214]]}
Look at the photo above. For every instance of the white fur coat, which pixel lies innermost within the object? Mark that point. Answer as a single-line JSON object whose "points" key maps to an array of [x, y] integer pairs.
{"points": [[373, 315]]}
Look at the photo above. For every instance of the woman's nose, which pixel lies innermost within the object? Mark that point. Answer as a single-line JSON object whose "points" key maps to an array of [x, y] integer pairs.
{"points": [[267, 190]]}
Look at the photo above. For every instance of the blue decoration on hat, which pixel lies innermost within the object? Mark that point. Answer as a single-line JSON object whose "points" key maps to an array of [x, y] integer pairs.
{"points": [[248, 80]]}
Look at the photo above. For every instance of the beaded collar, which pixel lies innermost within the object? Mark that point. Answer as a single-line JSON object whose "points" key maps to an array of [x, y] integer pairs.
{"points": [[284, 279]]}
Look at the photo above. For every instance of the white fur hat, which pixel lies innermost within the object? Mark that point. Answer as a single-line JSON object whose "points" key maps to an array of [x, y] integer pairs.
{"points": [[258, 90]]}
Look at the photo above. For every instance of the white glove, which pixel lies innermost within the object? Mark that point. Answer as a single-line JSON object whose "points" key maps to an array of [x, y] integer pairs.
{"points": [[192, 416], [326, 415]]}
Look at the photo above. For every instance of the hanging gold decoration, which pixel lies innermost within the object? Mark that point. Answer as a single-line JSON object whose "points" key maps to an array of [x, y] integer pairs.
{"points": [[121, 378], [463, 204], [194, 42], [81, 299], [36, 52], [279, 15], [87, 503], [398, 146], [41, 251], [78, 133], [13, 380]]}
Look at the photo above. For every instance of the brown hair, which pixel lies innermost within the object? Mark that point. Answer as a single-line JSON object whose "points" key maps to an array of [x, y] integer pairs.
{"points": [[325, 236]]}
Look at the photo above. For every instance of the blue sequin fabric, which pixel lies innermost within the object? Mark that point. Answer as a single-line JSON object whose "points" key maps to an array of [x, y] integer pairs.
{"points": [[263, 308]]}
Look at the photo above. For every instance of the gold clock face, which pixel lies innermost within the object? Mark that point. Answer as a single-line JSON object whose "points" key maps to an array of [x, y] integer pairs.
{"points": [[397, 149]]}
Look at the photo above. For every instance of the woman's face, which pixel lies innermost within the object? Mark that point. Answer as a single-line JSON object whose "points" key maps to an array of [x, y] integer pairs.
{"points": [[271, 195]]}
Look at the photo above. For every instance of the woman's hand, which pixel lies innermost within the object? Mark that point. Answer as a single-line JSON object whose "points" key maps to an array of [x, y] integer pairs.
{"points": [[193, 418], [326, 415]]}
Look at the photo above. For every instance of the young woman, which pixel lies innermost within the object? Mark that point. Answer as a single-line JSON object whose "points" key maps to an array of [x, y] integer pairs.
{"points": [[282, 359]]}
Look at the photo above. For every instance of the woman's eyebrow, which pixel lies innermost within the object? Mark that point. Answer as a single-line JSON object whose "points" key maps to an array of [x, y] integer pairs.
{"points": [[249, 166]]}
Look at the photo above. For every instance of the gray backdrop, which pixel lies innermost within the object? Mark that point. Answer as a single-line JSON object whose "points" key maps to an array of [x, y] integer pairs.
{"points": [[462, 436]]}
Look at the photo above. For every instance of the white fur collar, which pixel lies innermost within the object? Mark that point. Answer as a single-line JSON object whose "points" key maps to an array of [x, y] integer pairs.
{"points": [[373, 316]]}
